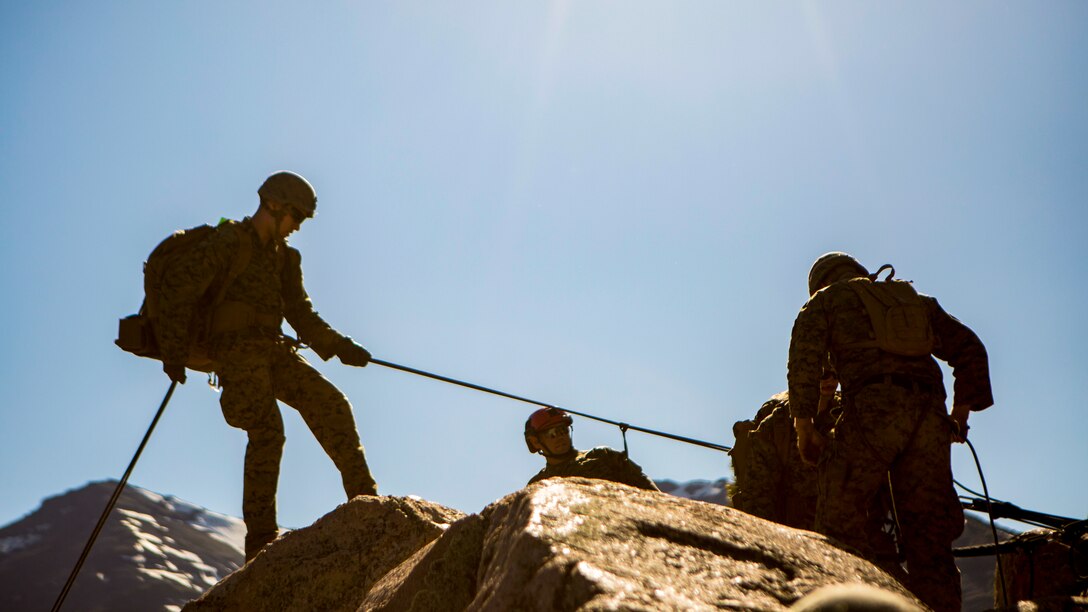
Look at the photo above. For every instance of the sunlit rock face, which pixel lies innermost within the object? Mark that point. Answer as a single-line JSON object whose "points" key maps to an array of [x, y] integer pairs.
{"points": [[576, 544], [331, 564], [562, 544]]}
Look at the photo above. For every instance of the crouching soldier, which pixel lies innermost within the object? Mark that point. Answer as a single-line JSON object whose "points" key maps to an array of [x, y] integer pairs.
{"points": [[548, 432]]}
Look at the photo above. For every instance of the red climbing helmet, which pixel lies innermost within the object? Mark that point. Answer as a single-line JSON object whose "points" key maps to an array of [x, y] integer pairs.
{"points": [[543, 420]]}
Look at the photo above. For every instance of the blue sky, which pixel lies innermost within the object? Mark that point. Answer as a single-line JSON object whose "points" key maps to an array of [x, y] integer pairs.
{"points": [[610, 206]]}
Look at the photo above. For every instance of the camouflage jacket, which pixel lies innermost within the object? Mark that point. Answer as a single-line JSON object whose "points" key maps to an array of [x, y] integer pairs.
{"points": [[270, 285], [835, 317], [601, 462]]}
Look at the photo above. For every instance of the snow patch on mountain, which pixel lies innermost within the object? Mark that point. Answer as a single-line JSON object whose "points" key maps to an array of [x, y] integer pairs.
{"points": [[155, 552], [712, 491]]}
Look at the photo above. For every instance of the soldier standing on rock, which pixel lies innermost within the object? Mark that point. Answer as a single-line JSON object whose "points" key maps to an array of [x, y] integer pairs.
{"points": [[547, 432], [772, 480], [257, 364], [894, 417]]}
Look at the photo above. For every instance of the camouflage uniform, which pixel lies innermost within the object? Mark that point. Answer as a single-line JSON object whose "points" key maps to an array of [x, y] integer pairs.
{"points": [[601, 462], [258, 365], [774, 483], [894, 420]]}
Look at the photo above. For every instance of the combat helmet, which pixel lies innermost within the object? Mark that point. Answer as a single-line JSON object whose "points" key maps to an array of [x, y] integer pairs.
{"points": [[543, 420], [291, 189], [826, 264]]}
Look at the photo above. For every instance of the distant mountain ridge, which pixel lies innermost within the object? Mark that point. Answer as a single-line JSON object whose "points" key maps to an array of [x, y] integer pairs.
{"points": [[701, 490], [155, 552]]}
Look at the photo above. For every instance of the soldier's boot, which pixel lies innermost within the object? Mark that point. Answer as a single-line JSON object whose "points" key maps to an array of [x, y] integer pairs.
{"points": [[262, 473], [255, 542], [259, 513], [358, 480]]}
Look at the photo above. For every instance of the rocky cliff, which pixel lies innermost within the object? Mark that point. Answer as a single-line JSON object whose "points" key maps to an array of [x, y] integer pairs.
{"points": [[158, 553], [562, 544]]}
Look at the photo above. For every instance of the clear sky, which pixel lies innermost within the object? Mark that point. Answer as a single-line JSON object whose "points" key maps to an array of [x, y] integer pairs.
{"points": [[610, 206]]}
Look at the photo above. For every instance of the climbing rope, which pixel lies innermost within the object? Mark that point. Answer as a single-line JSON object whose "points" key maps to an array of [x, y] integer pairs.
{"points": [[622, 426], [113, 500], [993, 528]]}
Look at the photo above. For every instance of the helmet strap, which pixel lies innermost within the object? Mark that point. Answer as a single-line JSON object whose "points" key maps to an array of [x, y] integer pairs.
{"points": [[876, 274]]}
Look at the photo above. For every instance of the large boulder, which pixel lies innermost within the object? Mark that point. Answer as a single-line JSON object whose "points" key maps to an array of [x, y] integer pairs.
{"points": [[331, 564], [577, 544]]}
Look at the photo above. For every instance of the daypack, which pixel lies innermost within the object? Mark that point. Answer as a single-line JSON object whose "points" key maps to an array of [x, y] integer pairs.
{"points": [[137, 333], [899, 315]]}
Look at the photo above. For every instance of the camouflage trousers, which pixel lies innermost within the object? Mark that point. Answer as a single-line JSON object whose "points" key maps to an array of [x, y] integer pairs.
{"points": [[885, 430], [251, 387]]}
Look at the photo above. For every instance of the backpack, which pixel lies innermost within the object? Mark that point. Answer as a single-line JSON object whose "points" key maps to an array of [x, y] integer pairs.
{"points": [[741, 453], [136, 333], [900, 316]]}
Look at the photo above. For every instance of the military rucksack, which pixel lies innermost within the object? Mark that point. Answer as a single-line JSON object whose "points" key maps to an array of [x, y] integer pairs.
{"points": [[741, 454], [137, 333], [900, 316]]}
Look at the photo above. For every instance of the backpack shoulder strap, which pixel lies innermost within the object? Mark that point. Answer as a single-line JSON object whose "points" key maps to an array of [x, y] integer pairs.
{"points": [[238, 264]]}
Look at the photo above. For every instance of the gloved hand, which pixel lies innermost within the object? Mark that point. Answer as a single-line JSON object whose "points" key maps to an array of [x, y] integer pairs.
{"points": [[960, 413], [828, 385], [809, 441], [175, 372], [352, 354]]}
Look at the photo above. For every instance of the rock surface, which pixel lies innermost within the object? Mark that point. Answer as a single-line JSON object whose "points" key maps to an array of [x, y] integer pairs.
{"points": [[562, 544], [577, 544], [331, 564]]}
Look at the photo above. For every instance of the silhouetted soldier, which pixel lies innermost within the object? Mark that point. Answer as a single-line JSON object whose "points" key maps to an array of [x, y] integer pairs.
{"points": [[894, 415], [257, 364], [772, 481], [548, 432]]}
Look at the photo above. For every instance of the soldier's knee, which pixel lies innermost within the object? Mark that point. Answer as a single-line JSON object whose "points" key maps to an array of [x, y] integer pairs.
{"points": [[341, 404], [268, 437]]}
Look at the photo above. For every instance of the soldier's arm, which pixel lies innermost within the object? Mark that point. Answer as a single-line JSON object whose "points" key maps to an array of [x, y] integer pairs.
{"points": [[807, 356], [541, 475], [621, 469], [637, 478], [299, 310], [964, 352], [183, 284]]}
